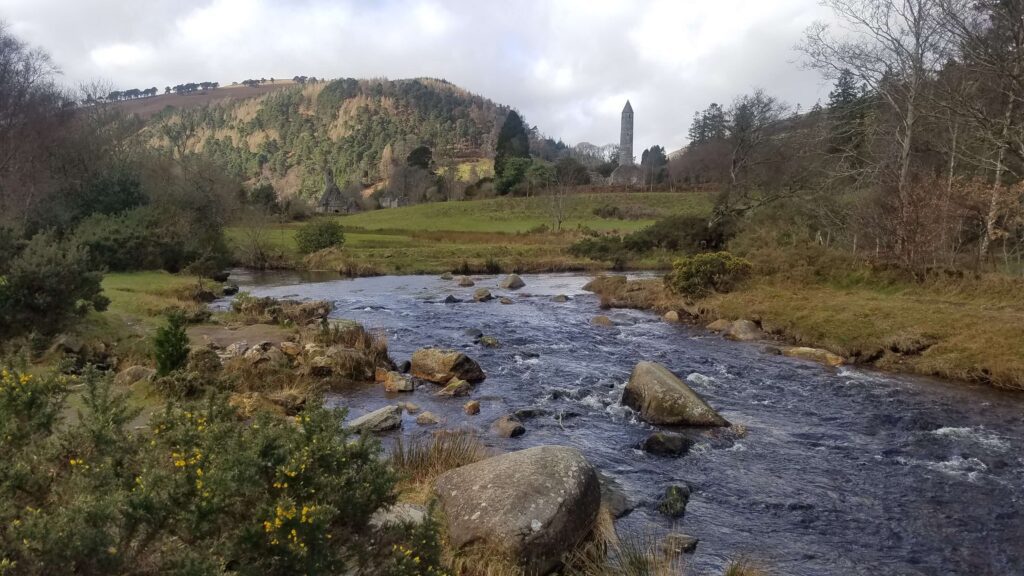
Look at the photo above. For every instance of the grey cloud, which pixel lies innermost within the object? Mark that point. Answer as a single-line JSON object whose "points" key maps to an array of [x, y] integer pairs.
{"points": [[567, 65]]}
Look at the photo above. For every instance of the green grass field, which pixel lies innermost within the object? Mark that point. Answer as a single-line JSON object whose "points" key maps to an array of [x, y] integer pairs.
{"points": [[520, 215], [516, 233]]}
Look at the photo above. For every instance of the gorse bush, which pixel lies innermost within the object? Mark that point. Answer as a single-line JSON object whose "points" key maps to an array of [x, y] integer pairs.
{"points": [[199, 491], [701, 274], [171, 344], [318, 235]]}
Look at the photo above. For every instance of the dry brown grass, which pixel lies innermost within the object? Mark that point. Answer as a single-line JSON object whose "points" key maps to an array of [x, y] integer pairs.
{"points": [[421, 461], [963, 329], [632, 555]]}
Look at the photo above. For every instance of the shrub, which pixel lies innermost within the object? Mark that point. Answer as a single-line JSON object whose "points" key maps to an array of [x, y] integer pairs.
{"points": [[318, 235], [698, 275], [171, 345], [607, 211], [196, 491], [46, 285]]}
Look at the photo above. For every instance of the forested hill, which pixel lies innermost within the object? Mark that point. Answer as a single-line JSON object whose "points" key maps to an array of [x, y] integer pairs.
{"points": [[357, 128]]}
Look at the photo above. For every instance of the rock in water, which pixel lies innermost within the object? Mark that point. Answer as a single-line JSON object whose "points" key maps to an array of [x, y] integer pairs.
{"points": [[667, 444], [397, 382], [440, 366], [456, 387], [671, 316], [229, 289], [744, 331], [446, 276], [614, 497], [508, 427], [661, 398], [482, 295], [512, 282], [471, 408], [561, 298], [673, 503], [427, 419], [489, 342], [465, 281], [506, 301], [387, 418], [675, 544], [601, 321], [814, 354], [535, 504], [449, 299]]}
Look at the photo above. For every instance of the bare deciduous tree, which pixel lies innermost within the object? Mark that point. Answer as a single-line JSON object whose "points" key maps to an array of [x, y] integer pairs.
{"points": [[894, 47]]}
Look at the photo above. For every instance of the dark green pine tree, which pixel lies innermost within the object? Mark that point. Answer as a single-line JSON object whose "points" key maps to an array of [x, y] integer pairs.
{"points": [[513, 142], [847, 112]]}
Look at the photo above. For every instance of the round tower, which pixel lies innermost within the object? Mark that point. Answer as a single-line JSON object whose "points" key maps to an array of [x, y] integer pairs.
{"points": [[626, 137]]}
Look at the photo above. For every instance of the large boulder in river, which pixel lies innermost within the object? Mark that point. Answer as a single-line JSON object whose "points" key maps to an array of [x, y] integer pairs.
{"points": [[440, 366], [464, 281], [744, 331], [482, 295], [661, 398], [512, 282], [534, 505]]}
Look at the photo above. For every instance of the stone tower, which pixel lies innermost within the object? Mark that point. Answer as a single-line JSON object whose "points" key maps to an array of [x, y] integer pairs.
{"points": [[626, 137]]}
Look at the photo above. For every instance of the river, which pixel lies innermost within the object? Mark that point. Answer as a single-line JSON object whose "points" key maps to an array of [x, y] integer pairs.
{"points": [[842, 471]]}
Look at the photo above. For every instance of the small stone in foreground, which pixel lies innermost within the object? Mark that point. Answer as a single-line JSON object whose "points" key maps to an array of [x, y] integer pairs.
{"points": [[472, 407]]}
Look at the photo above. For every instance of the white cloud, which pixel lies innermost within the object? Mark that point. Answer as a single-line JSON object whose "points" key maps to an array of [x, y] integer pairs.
{"points": [[114, 56], [567, 65]]}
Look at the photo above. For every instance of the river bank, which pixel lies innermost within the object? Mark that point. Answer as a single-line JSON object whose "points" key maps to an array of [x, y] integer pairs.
{"points": [[831, 459], [966, 332]]}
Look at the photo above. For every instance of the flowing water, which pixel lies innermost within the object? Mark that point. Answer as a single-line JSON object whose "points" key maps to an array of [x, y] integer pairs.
{"points": [[842, 471]]}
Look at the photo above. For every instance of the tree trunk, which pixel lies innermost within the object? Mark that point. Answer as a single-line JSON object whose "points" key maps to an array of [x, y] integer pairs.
{"points": [[997, 186]]}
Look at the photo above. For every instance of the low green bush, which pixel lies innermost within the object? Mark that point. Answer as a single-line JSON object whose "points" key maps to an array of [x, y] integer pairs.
{"points": [[701, 274], [199, 491], [47, 284], [318, 235]]}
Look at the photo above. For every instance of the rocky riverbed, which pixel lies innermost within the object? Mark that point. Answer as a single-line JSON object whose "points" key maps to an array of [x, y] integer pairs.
{"points": [[819, 470]]}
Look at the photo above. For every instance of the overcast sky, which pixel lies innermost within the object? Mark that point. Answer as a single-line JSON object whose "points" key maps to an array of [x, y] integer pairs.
{"points": [[567, 65]]}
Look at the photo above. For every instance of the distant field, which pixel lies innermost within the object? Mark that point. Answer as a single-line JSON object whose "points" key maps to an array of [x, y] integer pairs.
{"points": [[148, 107], [438, 237]]}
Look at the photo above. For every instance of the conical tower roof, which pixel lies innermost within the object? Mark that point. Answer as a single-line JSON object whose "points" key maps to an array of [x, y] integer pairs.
{"points": [[627, 107]]}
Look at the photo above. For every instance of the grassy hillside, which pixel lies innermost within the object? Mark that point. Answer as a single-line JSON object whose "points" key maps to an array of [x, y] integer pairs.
{"points": [[515, 233]]}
